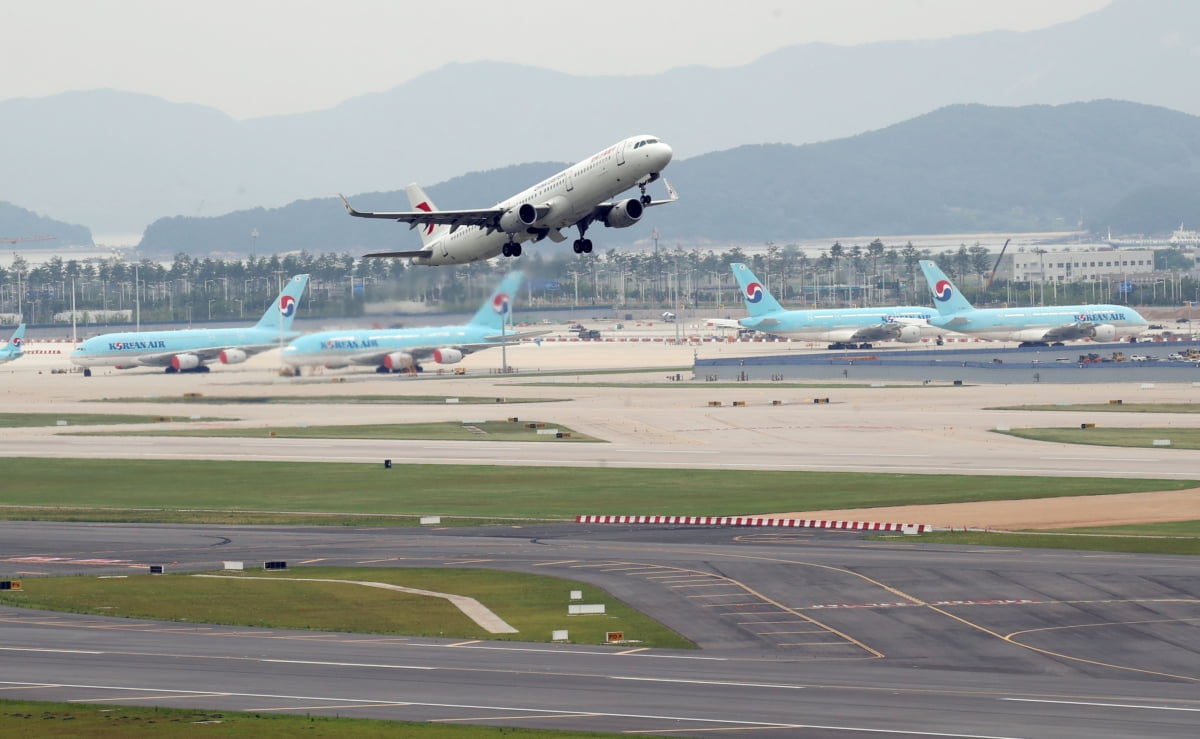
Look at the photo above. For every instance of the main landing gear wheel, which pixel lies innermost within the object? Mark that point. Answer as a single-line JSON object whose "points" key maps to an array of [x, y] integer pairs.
{"points": [[582, 246], [511, 250]]}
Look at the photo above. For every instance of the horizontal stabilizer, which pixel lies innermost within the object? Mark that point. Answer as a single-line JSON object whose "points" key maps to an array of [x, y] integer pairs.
{"points": [[400, 254]]}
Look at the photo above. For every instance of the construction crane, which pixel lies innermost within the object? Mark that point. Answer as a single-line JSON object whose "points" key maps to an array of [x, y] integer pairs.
{"points": [[19, 239]]}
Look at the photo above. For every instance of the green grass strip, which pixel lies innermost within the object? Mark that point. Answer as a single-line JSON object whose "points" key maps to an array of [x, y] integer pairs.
{"points": [[442, 431], [23, 718], [32, 420], [1121, 407], [198, 399], [498, 491], [1180, 438], [1091, 543], [535, 605]]}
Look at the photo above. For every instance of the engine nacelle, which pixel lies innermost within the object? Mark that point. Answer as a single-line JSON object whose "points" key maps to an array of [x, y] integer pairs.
{"points": [[185, 361], [516, 220], [232, 356], [625, 213], [447, 356], [397, 361], [909, 334], [1104, 332]]}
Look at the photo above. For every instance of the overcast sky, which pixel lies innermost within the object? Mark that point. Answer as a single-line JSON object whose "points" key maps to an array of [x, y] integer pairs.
{"points": [[252, 58]]}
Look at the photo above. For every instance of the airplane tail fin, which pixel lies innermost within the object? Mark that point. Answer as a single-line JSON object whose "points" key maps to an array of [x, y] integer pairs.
{"points": [[12, 350], [758, 300], [420, 201], [498, 307], [946, 297], [280, 314]]}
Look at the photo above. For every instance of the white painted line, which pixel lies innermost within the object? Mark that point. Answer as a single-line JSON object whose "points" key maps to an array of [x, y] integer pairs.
{"points": [[1103, 705], [344, 664], [52, 651], [708, 682]]}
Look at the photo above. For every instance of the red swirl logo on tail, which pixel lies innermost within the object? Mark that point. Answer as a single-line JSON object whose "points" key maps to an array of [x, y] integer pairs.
{"points": [[943, 290], [16, 341], [500, 303], [287, 306], [754, 292], [428, 226]]}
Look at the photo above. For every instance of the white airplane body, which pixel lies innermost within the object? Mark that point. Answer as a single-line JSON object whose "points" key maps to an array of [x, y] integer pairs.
{"points": [[575, 197], [189, 350], [1036, 326], [12, 350]]}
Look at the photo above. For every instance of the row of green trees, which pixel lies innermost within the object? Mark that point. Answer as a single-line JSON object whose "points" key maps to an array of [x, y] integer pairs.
{"points": [[201, 289]]}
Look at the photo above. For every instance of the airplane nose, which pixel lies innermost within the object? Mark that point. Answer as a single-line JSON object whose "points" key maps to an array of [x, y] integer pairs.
{"points": [[663, 154]]}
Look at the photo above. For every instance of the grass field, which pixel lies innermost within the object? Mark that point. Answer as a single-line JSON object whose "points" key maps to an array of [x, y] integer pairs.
{"points": [[483, 491], [1097, 543], [87, 721], [533, 604], [198, 399], [1180, 438], [30, 420], [447, 431], [1121, 407]]}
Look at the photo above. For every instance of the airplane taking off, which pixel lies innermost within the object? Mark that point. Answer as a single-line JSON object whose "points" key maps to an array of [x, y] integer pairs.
{"points": [[188, 350], [575, 197], [1036, 326], [395, 350], [847, 328], [12, 350]]}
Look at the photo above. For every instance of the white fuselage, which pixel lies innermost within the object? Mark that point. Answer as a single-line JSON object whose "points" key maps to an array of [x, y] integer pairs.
{"points": [[571, 196]]}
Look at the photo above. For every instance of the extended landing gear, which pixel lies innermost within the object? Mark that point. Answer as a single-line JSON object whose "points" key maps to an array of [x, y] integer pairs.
{"points": [[87, 371], [511, 249], [646, 199], [582, 246]]}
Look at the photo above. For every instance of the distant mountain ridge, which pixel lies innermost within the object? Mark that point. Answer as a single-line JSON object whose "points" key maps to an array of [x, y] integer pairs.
{"points": [[961, 169], [117, 161]]}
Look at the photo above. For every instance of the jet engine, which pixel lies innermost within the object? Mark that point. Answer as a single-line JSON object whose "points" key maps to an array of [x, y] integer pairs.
{"points": [[185, 361], [447, 356], [397, 361], [517, 219], [909, 334], [625, 213], [232, 356], [1104, 332]]}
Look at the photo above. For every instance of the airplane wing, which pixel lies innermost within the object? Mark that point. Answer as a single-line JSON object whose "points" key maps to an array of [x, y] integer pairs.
{"points": [[207, 354], [722, 323], [487, 217], [600, 212], [1070, 331], [507, 337]]}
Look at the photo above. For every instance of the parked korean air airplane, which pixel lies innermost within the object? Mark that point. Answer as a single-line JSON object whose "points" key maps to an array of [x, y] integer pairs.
{"points": [[847, 328], [12, 350], [576, 197], [403, 349], [190, 349], [1036, 326]]}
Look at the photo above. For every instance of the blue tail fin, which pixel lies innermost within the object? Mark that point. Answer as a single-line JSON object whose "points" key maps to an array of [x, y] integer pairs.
{"points": [[946, 297], [759, 301], [12, 350], [281, 313], [497, 308]]}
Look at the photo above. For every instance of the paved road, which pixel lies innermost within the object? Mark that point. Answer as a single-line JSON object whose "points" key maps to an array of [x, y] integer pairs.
{"points": [[820, 630]]}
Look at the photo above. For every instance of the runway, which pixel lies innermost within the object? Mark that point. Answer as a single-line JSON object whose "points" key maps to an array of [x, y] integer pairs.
{"points": [[809, 635]]}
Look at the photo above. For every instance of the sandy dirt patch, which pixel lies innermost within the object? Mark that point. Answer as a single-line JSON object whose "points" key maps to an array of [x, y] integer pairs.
{"points": [[1048, 513]]}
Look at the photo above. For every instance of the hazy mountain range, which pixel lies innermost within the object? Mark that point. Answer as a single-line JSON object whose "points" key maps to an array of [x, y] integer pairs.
{"points": [[116, 161]]}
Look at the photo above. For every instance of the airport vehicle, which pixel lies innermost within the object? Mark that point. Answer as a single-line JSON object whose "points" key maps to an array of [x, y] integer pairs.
{"points": [[1034, 326], [403, 349], [575, 197], [192, 349], [12, 350], [847, 328]]}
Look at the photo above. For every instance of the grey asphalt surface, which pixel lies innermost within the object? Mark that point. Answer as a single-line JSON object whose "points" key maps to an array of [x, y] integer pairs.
{"points": [[800, 633], [819, 634]]}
